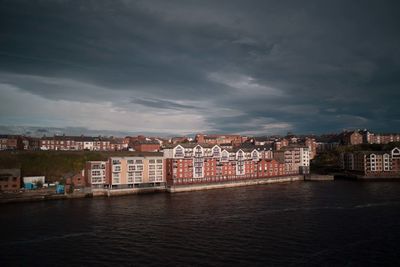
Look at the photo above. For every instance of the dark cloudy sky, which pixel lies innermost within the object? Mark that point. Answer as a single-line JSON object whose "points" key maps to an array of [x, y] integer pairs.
{"points": [[251, 67]]}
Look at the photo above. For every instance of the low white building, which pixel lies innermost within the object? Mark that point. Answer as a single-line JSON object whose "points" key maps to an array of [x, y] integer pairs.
{"points": [[33, 179]]}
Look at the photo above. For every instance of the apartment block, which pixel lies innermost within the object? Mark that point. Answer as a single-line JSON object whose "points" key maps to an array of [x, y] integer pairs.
{"points": [[126, 172], [295, 157], [194, 163], [372, 163], [97, 174], [129, 172]]}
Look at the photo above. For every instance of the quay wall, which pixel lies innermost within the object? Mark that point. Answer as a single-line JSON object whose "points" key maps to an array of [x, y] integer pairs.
{"points": [[319, 177], [126, 191], [237, 183], [32, 196]]}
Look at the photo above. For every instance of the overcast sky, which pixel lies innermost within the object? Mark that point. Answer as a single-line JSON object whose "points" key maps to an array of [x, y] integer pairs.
{"points": [[250, 67]]}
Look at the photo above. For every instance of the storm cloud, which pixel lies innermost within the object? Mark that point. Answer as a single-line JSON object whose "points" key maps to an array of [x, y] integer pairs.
{"points": [[251, 67]]}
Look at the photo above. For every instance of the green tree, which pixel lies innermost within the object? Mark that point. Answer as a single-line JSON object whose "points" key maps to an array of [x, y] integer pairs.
{"points": [[71, 188], [39, 184]]}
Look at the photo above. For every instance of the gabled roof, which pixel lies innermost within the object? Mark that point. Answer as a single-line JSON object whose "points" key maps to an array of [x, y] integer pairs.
{"points": [[372, 152], [188, 145]]}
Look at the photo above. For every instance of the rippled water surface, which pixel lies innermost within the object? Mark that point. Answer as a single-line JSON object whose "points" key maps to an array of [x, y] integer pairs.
{"points": [[302, 223]]}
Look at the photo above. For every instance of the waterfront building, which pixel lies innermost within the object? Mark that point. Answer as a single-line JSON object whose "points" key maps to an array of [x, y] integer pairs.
{"points": [[97, 174], [77, 180], [295, 157], [372, 163], [194, 163], [10, 179], [127, 172], [33, 179]]}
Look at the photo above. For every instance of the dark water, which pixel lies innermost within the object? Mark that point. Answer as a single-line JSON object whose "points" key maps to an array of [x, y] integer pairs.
{"points": [[304, 223]]}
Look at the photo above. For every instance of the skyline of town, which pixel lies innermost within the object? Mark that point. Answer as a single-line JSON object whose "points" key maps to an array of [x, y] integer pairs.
{"points": [[37, 131]]}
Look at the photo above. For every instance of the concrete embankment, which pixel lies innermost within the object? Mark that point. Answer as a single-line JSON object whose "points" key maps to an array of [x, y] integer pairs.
{"points": [[220, 185], [319, 177], [30, 198], [368, 178], [126, 191]]}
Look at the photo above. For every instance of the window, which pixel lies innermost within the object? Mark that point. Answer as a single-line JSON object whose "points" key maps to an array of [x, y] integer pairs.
{"points": [[115, 178], [131, 168], [96, 173], [225, 156], [216, 152], [178, 152], [255, 156], [117, 168], [130, 177], [198, 152]]}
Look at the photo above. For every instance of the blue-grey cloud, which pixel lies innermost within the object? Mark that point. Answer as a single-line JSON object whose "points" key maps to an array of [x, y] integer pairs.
{"points": [[225, 66], [162, 104]]}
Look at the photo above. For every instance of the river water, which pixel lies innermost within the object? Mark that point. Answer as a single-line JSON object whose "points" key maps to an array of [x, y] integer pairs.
{"points": [[299, 224]]}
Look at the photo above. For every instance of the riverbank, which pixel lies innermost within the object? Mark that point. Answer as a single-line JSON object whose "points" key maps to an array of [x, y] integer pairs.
{"points": [[363, 177], [33, 196]]}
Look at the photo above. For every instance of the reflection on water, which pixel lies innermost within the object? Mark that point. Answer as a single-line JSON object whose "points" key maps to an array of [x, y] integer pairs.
{"points": [[302, 223]]}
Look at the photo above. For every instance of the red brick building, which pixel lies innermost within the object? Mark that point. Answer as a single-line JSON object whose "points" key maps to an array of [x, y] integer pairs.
{"points": [[384, 138], [146, 146], [281, 143], [10, 179], [63, 142], [218, 139], [194, 163], [373, 163], [78, 180], [352, 138], [11, 142]]}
